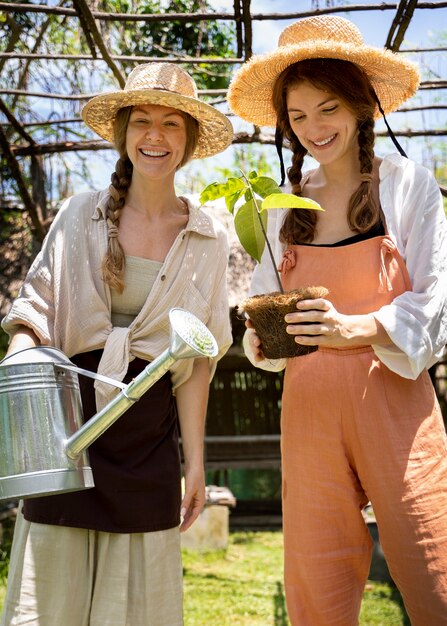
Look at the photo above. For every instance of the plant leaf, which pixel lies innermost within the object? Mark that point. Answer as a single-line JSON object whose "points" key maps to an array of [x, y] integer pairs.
{"points": [[249, 231], [289, 201], [230, 200], [265, 186], [211, 192], [219, 190]]}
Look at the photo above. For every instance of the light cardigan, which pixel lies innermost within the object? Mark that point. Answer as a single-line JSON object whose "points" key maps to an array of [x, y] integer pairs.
{"points": [[67, 304], [415, 321]]}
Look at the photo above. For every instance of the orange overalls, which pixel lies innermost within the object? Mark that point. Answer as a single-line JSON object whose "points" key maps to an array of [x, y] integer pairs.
{"points": [[352, 432]]}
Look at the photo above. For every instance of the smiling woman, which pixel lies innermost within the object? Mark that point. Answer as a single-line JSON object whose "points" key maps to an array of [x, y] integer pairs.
{"points": [[159, 135], [360, 421], [113, 264]]}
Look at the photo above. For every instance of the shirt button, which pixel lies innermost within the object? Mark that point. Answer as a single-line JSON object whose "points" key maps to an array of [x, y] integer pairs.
{"points": [[163, 277]]}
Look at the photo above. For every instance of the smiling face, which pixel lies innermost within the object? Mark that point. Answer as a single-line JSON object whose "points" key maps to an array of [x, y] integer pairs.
{"points": [[156, 140], [322, 123]]}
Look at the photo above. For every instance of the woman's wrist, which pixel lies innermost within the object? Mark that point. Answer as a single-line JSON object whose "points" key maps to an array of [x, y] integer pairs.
{"points": [[22, 339], [365, 329]]}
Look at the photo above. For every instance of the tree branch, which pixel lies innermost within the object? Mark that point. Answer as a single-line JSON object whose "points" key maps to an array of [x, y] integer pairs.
{"points": [[400, 24], [83, 9], [196, 17], [34, 211]]}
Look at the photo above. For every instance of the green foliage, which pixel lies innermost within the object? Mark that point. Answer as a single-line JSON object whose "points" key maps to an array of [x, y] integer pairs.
{"points": [[6, 535], [247, 157], [211, 39], [260, 193]]}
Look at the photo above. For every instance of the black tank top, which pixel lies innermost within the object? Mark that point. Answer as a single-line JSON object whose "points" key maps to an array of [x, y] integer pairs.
{"points": [[378, 230]]}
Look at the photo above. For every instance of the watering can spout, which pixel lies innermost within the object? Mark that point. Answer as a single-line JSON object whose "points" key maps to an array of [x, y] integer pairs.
{"points": [[189, 338]]}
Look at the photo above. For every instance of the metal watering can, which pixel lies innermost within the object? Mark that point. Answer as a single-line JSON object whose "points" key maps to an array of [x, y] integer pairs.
{"points": [[43, 441]]}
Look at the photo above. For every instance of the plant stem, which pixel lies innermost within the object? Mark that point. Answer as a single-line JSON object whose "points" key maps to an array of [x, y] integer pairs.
{"points": [[264, 233]]}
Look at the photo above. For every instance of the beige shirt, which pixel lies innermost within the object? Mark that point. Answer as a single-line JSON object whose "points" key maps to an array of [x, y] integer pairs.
{"points": [[67, 304]]}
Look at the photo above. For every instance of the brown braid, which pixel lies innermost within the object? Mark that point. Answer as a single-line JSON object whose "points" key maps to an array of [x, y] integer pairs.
{"points": [[114, 263], [298, 225], [363, 211], [350, 84]]}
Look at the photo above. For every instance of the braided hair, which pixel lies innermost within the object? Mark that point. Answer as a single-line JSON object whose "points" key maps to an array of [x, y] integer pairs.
{"points": [[114, 261], [351, 85]]}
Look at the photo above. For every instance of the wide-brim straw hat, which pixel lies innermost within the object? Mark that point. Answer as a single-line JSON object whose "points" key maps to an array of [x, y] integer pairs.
{"points": [[168, 85], [393, 78]]}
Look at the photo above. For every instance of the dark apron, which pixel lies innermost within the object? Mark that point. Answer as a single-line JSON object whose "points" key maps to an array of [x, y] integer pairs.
{"points": [[135, 463]]}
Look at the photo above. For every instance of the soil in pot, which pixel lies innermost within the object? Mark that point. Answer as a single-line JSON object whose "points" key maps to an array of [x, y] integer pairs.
{"points": [[267, 312]]}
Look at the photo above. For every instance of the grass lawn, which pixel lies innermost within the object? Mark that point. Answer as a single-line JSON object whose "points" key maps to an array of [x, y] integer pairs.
{"points": [[242, 586]]}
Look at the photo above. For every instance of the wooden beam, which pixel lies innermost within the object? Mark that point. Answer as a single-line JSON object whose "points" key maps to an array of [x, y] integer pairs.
{"points": [[429, 84], [87, 96], [34, 211], [90, 27], [122, 58], [400, 24], [10, 7], [239, 138]]}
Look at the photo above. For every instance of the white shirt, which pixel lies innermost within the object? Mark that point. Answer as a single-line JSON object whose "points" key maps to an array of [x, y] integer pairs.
{"points": [[416, 321]]}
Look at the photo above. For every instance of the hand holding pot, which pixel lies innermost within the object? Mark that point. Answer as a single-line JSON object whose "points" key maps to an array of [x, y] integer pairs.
{"points": [[318, 323], [255, 342]]}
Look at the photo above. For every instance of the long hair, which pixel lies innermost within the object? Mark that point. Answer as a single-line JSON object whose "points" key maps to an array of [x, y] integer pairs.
{"points": [[113, 263], [349, 83]]}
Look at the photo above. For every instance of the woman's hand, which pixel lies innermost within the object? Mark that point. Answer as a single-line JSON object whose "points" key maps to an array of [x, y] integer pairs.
{"points": [[255, 343], [194, 497], [325, 326]]}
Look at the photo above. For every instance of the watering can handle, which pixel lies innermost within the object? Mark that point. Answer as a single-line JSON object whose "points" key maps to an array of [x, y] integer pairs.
{"points": [[103, 379], [68, 366]]}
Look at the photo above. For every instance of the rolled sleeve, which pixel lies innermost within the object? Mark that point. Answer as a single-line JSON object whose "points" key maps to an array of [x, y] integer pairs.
{"points": [[416, 321]]}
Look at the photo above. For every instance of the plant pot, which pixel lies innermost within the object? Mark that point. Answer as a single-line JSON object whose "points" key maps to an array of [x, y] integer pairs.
{"points": [[267, 311]]}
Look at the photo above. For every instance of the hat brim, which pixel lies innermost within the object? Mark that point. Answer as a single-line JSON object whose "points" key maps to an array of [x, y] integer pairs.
{"points": [[215, 129], [393, 78]]}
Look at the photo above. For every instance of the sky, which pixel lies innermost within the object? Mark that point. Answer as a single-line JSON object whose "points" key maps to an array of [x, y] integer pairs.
{"points": [[373, 24], [427, 28]]}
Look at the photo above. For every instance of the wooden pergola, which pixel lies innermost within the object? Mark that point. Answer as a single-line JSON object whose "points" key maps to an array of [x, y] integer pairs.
{"points": [[90, 22]]}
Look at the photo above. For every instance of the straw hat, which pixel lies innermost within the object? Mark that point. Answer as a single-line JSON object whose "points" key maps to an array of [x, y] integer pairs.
{"points": [[393, 78], [168, 85]]}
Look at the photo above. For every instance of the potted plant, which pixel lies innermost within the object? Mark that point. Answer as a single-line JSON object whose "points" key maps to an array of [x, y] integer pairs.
{"points": [[266, 311]]}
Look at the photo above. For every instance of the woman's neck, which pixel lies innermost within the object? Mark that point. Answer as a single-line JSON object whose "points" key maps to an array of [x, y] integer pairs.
{"points": [[154, 199]]}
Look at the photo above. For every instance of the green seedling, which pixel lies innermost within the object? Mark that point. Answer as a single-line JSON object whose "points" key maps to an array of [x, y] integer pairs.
{"points": [[260, 193]]}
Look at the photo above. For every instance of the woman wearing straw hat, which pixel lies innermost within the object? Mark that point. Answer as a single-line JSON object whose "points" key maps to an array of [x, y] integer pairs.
{"points": [[112, 266], [360, 420]]}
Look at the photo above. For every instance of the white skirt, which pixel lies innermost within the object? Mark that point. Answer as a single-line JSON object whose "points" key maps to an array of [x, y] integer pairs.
{"points": [[62, 576]]}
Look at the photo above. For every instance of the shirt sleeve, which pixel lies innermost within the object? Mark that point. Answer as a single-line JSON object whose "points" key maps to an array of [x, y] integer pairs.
{"points": [[416, 320], [35, 304]]}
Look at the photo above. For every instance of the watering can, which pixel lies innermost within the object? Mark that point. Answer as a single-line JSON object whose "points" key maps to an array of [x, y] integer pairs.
{"points": [[43, 441]]}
